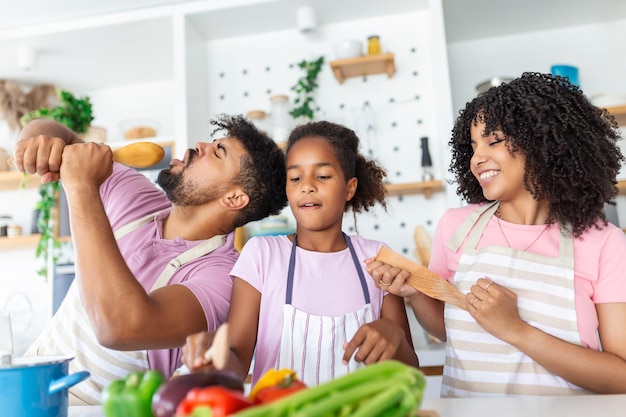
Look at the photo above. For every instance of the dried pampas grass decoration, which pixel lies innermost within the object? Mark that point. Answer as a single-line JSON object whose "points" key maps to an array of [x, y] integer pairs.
{"points": [[14, 102]]}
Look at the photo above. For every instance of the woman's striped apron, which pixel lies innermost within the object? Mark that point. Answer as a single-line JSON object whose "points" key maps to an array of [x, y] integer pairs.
{"points": [[479, 364], [71, 333]]}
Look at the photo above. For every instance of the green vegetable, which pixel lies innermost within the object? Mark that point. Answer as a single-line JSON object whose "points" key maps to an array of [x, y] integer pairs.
{"points": [[387, 388], [132, 396]]}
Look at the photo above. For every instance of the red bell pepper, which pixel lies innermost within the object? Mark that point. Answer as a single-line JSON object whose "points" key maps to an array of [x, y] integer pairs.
{"points": [[221, 401], [286, 386]]}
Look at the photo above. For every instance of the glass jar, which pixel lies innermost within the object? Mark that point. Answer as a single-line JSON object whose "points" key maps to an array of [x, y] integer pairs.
{"points": [[373, 45], [5, 219], [281, 119]]}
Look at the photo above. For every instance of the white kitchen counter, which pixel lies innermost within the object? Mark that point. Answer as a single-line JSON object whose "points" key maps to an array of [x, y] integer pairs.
{"points": [[570, 406]]}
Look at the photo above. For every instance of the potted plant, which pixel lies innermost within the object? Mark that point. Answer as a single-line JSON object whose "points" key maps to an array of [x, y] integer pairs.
{"points": [[76, 114], [305, 88]]}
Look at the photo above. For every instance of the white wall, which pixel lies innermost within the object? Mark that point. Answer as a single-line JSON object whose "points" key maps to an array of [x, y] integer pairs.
{"points": [[597, 50], [243, 73]]}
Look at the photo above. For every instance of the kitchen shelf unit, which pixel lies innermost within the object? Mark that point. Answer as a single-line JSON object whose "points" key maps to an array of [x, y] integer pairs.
{"points": [[364, 65], [14, 180], [19, 242], [425, 187]]}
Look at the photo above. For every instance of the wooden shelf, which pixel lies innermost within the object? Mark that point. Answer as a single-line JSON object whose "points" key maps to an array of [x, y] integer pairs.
{"points": [[19, 242], [425, 187], [620, 114], [12, 180], [363, 65]]}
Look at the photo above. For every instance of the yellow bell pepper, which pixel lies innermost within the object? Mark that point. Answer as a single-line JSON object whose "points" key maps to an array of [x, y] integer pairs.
{"points": [[271, 378]]}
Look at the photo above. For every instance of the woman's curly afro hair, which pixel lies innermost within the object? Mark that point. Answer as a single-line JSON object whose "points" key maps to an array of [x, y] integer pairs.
{"points": [[262, 174], [572, 159], [370, 186]]}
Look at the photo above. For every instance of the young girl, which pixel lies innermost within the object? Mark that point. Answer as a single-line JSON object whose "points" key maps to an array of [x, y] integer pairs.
{"points": [[303, 301], [542, 270]]}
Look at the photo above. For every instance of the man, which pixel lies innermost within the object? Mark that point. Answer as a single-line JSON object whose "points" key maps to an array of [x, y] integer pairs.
{"points": [[152, 266]]}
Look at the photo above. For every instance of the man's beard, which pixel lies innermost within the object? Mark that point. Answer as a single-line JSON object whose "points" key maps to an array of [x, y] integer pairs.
{"points": [[183, 193]]}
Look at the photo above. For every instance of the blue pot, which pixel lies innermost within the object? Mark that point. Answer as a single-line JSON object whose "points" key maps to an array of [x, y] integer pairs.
{"points": [[37, 386]]}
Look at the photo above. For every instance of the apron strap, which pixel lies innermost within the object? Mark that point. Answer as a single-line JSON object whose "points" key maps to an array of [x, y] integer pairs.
{"points": [[133, 225], [454, 243], [359, 270], [292, 267], [173, 265], [197, 251]]}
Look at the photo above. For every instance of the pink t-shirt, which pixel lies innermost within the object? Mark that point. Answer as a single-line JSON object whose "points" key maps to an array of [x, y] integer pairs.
{"points": [[324, 284], [129, 195], [599, 260]]}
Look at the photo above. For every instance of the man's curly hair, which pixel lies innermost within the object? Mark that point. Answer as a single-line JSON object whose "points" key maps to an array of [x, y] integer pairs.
{"points": [[262, 174], [370, 187], [572, 159]]}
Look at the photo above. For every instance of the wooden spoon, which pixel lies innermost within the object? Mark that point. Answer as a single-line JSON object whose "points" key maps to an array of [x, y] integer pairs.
{"points": [[139, 154], [423, 279]]}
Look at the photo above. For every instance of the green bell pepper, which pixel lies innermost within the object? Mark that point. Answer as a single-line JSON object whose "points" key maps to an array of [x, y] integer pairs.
{"points": [[132, 396]]}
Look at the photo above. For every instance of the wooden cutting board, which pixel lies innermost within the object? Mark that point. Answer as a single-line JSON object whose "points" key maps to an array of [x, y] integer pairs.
{"points": [[427, 413], [423, 279]]}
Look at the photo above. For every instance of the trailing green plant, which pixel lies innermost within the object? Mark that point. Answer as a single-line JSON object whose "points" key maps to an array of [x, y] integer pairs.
{"points": [[305, 88], [76, 114]]}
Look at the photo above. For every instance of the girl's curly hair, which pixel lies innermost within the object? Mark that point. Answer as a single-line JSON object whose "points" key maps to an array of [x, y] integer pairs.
{"points": [[262, 174], [370, 187], [572, 159]]}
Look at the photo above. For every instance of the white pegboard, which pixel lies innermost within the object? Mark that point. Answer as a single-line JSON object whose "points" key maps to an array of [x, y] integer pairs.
{"points": [[389, 115]]}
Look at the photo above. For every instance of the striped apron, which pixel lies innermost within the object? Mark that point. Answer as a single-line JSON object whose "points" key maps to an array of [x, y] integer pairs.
{"points": [[479, 364], [312, 345], [70, 331]]}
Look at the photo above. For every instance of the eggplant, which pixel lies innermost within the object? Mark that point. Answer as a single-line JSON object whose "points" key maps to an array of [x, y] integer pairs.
{"points": [[170, 394]]}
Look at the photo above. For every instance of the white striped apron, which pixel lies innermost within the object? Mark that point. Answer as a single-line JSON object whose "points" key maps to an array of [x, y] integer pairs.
{"points": [[312, 345], [70, 331], [479, 364]]}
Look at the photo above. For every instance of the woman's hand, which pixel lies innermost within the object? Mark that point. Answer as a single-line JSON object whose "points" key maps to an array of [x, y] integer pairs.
{"points": [[494, 308], [375, 341], [390, 278]]}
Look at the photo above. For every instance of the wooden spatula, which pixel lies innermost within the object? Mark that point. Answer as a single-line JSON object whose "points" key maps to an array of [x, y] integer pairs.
{"points": [[422, 279], [139, 154]]}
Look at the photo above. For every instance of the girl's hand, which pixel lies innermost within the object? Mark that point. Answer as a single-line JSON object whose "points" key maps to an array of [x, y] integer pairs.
{"points": [[495, 309], [374, 342], [389, 278], [195, 348]]}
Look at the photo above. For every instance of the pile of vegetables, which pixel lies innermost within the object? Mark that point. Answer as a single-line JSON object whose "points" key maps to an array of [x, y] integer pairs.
{"points": [[388, 388]]}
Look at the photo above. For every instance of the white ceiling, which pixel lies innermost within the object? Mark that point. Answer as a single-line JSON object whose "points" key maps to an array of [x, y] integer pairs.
{"points": [[464, 20]]}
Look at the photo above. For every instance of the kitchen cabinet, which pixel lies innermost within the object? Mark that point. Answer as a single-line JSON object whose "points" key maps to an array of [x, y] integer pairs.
{"points": [[182, 63], [363, 66], [167, 46]]}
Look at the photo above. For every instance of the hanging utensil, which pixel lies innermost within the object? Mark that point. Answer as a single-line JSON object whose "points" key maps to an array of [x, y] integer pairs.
{"points": [[423, 279], [6, 339]]}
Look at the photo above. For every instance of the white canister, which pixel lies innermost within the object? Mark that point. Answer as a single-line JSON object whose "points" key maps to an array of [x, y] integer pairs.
{"points": [[281, 119], [4, 160]]}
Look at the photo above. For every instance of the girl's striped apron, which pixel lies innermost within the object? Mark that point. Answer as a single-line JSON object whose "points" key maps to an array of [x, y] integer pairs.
{"points": [[479, 364], [312, 345], [71, 331]]}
